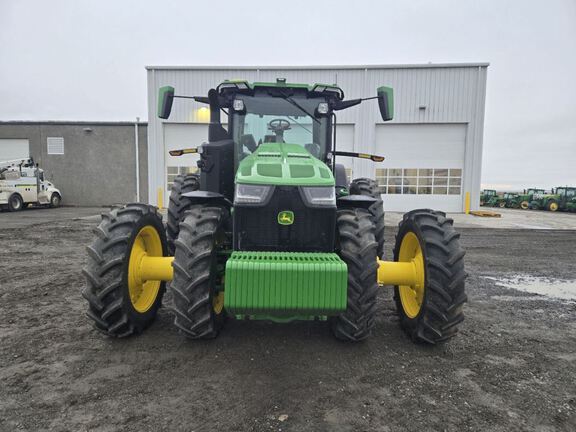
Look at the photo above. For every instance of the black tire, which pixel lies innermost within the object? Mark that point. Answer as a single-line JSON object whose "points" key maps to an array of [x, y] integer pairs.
{"points": [[444, 288], [109, 304], [357, 248], [177, 206], [55, 200], [15, 203], [534, 205], [198, 272], [369, 187]]}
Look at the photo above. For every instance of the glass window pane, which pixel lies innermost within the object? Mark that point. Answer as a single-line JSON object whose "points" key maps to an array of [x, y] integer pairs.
{"points": [[382, 189], [455, 181], [394, 189], [424, 190], [395, 172], [425, 172], [455, 172], [454, 190], [440, 181], [440, 190], [440, 172], [410, 172], [394, 181], [425, 181], [410, 181], [381, 172], [172, 170], [410, 190]]}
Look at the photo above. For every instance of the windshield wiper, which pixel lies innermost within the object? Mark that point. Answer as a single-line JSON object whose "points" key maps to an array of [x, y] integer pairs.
{"points": [[297, 105]]}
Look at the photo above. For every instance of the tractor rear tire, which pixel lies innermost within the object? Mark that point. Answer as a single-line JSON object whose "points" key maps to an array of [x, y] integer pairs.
{"points": [[357, 248], [107, 291], [534, 205], [440, 311], [197, 287], [369, 187], [176, 206]]}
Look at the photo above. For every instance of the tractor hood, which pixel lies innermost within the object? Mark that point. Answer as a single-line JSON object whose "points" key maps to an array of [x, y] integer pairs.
{"points": [[283, 164]]}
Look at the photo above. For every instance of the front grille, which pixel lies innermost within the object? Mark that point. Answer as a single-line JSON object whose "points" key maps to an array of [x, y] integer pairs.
{"points": [[257, 228]]}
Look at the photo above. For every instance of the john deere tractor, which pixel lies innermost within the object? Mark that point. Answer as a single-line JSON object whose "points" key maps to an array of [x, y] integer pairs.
{"points": [[523, 200], [486, 195], [562, 198], [271, 229]]}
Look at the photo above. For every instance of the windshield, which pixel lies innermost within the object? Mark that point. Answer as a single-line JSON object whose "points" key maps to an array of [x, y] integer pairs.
{"points": [[276, 119]]}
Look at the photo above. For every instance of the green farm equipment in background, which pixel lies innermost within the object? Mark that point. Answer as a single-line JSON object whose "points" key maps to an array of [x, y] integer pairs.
{"points": [[562, 198], [508, 200], [272, 229], [524, 199], [486, 196]]}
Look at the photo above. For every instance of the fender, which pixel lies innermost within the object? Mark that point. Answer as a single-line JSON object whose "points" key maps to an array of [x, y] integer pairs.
{"points": [[355, 201], [202, 197]]}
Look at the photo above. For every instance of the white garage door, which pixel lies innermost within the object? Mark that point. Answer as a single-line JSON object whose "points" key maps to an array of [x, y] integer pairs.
{"points": [[14, 149], [179, 136], [423, 168]]}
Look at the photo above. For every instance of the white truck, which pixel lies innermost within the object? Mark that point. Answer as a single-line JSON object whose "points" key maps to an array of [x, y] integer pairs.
{"points": [[22, 184]]}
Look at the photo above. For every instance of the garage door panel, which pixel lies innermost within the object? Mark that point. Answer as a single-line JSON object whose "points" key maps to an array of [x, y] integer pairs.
{"points": [[11, 149], [423, 167]]}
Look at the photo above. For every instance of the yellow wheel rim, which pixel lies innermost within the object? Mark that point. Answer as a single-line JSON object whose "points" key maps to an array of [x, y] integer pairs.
{"points": [[524, 205], [218, 303], [143, 293], [412, 297], [553, 206]]}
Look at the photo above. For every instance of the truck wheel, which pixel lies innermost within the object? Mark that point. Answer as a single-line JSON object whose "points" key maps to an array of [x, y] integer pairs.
{"points": [[358, 250], [197, 287], [432, 310], [552, 206], [55, 200], [15, 203], [524, 205], [182, 184], [118, 303], [369, 187]]}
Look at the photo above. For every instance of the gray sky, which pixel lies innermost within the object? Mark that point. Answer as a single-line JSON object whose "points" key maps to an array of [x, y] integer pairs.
{"points": [[84, 60]]}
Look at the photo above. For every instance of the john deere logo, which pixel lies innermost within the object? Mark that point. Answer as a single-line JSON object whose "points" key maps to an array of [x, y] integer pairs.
{"points": [[286, 217]]}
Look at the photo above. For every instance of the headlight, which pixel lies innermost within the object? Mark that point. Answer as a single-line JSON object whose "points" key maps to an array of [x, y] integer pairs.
{"points": [[320, 196], [252, 194]]}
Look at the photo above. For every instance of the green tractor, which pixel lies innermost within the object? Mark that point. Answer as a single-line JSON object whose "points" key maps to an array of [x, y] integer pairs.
{"points": [[523, 200], [562, 198], [508, 200], [486, 196], [271, 229]]}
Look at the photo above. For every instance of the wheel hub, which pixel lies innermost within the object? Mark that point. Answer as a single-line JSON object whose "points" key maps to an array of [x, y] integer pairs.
{"points": [[412, 296], [142, 291]]}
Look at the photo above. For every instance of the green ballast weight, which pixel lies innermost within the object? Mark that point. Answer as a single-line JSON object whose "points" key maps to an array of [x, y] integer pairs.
{"points": [[284, 283]]}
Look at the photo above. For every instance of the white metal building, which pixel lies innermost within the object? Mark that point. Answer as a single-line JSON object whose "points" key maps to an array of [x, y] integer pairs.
{"points": [[433, 147]]}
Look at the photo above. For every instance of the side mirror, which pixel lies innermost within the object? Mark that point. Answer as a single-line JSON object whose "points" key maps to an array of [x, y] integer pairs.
{"points": [[386, 103], [165, 99]]}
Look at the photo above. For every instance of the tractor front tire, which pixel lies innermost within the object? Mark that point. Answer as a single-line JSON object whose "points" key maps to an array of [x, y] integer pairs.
{"points": [[431, 313], [369, 187], [118, 306], [177, 205], [357, 248], [197, 286], [525, 205], [552, 205]]}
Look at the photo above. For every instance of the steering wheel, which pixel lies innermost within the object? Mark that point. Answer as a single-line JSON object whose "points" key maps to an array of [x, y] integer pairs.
{"points": [[279, 125]]}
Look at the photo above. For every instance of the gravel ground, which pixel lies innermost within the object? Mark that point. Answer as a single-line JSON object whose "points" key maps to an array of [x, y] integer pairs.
{"points": [[512, 367]]}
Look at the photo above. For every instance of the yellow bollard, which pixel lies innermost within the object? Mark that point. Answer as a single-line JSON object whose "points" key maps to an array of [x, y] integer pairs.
{"points": [[160, 199], [467, 203]]}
